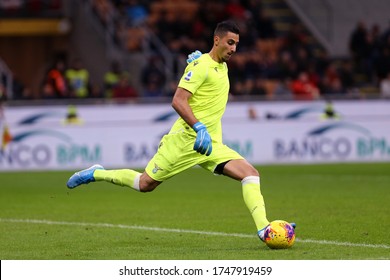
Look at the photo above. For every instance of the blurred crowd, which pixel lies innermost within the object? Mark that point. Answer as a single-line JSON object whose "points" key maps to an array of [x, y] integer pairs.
{"points": [[62, 82], [268, 64]]}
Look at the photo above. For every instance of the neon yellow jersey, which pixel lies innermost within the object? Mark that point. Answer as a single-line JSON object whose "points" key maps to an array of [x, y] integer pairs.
{"points": [[110, 80], [78, 81], [208, 82]]}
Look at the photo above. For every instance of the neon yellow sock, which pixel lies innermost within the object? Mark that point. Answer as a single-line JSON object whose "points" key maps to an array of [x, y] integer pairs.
{"points": [[254, 200], [122, 177]]}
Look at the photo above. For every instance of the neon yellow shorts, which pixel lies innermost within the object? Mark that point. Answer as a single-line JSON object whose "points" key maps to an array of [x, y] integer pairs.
{"points": [[175, 154]]}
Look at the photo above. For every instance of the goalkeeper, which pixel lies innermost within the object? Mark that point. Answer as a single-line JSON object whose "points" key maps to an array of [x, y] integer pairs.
{"points": [[196, 137]]}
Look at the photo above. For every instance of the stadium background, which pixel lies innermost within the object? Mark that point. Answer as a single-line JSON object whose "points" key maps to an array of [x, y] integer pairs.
{"points": [[341, 207], [280, 39], [45, 126]]}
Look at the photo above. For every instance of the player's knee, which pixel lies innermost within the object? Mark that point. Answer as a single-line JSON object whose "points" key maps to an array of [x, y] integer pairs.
{"points": [[254, 172], [147, 186], [145, 189], [251, 171]]}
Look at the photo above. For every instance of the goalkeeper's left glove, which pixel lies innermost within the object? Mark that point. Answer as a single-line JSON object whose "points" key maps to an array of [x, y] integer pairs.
{"points": [[203, 140], [194, 55]]}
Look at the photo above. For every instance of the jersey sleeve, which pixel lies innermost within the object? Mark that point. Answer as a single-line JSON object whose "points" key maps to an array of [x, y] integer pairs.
{"points": [[194, 76]]}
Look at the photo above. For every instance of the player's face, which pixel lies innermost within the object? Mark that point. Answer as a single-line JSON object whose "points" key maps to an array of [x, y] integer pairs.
{"points": [[227, 46]]}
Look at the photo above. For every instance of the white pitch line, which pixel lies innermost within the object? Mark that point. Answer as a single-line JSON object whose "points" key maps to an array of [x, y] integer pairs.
{"points": [[46, 222]]}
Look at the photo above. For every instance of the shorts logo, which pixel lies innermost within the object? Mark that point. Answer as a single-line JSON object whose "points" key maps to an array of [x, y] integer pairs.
{"points": [[188, 76], [156, 168]]}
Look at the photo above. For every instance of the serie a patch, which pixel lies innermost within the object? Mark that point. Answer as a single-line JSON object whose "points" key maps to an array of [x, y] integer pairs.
{"points": [[188, 76]]}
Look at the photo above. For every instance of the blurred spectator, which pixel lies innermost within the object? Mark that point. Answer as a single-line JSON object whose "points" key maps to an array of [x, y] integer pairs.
{"points": [[329, 112], [3, 93], [287, 67], [20, 90], [95, 90], [383, 64], [111, 78], [237, 66], [72, 117], [238, 89], [295, 38], [358, 42], [376, 41], [385, 37], [235, 11], [303, 88], [255, 65], [123, 90], [331, 74], [136, 13], [55, 79], [78, 79], [264, 25], [346, 75], [213, 12], [104, 9], [263, 54], [314, 77], [385, 87], [153, 78], [302, 59], [165, 26], [334, 87], [26, 94], [47, 91], [257, 88], [361, 45], [282, 89]]}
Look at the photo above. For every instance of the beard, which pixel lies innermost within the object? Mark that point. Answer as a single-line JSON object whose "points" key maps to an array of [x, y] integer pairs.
{"points": [[226, 57]]}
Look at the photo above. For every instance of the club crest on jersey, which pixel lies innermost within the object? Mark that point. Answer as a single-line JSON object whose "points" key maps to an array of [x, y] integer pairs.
{"points": [[156, 168], [188, 76]]}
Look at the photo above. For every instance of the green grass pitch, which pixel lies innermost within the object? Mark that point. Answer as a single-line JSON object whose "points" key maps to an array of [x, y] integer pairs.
{"points": [[341, 210]]}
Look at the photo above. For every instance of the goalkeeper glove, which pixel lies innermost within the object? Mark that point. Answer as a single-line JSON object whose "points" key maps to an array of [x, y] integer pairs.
{"points": [[194, 55], [203, 140]]}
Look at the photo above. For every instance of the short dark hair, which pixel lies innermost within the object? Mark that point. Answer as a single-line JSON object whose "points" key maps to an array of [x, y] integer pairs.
{"points": [[225, 27]]}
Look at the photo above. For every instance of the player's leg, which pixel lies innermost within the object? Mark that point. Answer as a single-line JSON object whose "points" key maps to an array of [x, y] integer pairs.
{"points": [[240, 169], [127, 178], [121, 177], [174, 155], [226, 161]]}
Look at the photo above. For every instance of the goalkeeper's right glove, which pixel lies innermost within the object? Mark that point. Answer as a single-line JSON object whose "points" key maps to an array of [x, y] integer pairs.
{"points": [[194, 55], [203, 140]]}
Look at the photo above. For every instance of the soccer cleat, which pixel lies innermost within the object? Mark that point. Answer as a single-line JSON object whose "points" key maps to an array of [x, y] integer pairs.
{"points": [[294, 225], [261, 232], [83, 177]]}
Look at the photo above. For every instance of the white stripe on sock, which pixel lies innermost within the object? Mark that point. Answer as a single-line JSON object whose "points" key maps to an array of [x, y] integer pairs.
{"points": [[136, 182], [250, 180]]}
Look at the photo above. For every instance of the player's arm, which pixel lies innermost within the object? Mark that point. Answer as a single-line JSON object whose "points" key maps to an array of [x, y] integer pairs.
{"points": [[181, 105]]}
